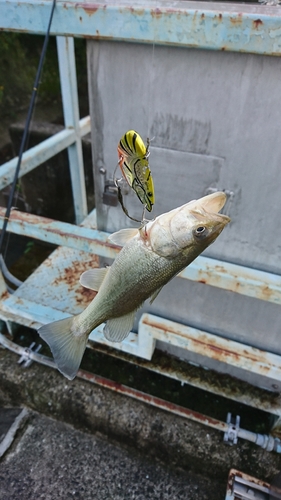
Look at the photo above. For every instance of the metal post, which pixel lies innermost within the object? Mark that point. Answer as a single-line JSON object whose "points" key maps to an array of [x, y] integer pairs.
{"points": [[67, 69]]}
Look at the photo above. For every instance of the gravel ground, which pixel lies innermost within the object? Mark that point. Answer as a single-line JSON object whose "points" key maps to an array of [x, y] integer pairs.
{"points": [[52, 460]]}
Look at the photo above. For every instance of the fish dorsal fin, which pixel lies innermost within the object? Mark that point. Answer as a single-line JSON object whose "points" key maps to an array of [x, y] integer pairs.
{"points": [[154, 295], [121, 237], [117, 329], [93, 278]]}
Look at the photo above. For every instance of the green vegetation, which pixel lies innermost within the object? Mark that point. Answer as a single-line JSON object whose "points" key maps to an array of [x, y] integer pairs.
{"points": [[19, 59]]}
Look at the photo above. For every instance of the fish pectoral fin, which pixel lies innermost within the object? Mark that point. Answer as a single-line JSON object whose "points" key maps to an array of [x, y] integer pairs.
{"points": [[67, 348], [121, 237], [93, 278], [117, 329], [154, 295]]}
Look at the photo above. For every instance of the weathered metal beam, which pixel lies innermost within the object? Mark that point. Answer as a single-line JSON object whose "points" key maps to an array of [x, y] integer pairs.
{"points": [[206, 25], [60, 233], [218, 348], [239, 279], [42, 152], [153, 328]]}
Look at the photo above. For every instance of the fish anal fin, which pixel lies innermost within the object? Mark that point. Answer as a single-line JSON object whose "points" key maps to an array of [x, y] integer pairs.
{"points": [[155, 294], [67, 348], [121, 237], [93, 278], [117, 329]]}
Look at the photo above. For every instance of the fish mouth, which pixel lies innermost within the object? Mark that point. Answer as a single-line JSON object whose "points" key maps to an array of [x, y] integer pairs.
{"points": [[209, 207], [213, 203]]}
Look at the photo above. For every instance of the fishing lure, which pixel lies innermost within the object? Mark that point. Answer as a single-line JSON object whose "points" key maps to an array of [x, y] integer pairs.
{"points": [[133, 161]]}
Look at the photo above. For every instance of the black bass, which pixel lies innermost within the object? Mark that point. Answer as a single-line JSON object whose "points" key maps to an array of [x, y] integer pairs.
{"points": [[151, 256]]}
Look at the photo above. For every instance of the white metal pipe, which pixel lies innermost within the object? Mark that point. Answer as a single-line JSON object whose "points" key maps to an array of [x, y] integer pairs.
{"points": [[42, 152], [67, 69]]}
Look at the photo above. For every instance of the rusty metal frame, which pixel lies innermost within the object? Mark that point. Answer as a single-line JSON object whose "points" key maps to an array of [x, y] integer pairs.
{"points": [[233, 27], [151, 328], [242, 486], [209, 25]]}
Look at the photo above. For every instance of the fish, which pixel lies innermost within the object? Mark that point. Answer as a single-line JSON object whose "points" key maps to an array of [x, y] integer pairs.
{"points": [[133, 161], [151, 256]]}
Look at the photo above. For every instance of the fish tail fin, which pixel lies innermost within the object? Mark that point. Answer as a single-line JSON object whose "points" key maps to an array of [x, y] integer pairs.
{"points": [[66, 344]]}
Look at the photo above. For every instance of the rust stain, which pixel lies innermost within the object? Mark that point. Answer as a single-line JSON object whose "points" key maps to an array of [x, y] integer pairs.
{"points": [[4, 295], [237, 19], [235, 473], [16, 215], [90, 8], [137, 12], [86, 295], [147, 398], [220, 17], [230, 480], [266, 293], [257, 23], [71, 275], [156, 13], [220, 269]]}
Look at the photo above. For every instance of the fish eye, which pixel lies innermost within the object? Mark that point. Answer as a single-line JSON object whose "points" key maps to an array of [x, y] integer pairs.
{"points": [[149, 194], [200, 230]]}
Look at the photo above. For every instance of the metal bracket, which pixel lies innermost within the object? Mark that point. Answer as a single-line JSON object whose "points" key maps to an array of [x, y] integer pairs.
{"points": [[110, 196], [25, 359], [231, 435]]}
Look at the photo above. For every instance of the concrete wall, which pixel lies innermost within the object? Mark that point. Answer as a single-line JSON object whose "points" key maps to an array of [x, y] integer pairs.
{"points": [[215, 122]]}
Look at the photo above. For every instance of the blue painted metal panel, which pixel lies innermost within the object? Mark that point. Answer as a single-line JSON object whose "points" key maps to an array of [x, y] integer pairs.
{"points": [[233, 27]]}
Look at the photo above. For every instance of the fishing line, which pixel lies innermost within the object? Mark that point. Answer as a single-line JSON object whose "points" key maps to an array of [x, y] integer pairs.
{"points": [[25, 134], [150, 91]]}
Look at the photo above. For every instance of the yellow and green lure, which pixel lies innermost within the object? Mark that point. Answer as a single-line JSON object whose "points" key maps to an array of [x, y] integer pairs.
{"points": [[133, 161]]}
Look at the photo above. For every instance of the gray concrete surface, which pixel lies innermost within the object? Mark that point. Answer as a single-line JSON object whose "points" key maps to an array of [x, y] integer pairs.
{"points": [[83, 441], [52, 460]]}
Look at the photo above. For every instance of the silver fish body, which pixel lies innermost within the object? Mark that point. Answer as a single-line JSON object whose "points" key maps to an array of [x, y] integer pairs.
{"points": [[151, 256]]}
